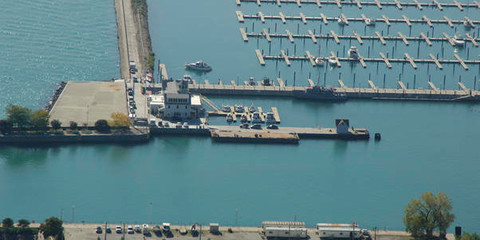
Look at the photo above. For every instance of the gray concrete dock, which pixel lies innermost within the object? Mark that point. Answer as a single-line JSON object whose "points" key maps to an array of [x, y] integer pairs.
{"points": [[87, 232], [351, 93], [87, 102]]}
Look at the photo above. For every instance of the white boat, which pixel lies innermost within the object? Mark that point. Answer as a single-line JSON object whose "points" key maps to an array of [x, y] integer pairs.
{"points": [[166, 227], [369, 22], [229, 117], [243, 118], [332, 61], [252, 108], [270, 118], [341, 22], [256, 118], [226, 108], [251, 82], [239, 108], [353, 52], [319, 61], [458, 41], [187, 78]]}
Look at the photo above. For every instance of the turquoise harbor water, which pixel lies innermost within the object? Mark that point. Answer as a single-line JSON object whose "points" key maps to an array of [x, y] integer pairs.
{"points": [[425, 146]]}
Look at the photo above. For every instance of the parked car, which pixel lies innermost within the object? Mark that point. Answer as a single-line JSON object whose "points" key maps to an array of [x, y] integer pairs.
{"points": [[256, 126], [99, 230], [108, 230], [245, 126], [137, 229], [130, 229], [118, 229], [272, 126]]}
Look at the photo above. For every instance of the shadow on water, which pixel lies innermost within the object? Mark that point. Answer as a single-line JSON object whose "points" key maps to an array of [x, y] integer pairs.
{"points": [[21, 156]]}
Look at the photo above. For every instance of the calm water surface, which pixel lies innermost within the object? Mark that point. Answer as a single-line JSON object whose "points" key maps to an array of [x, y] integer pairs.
{"points": [[425, 146]]}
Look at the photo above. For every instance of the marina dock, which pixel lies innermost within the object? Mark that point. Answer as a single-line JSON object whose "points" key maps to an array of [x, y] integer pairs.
{"points": [[373, 93], [247, 113], [343, 19], [356, 36], [382, 59], [377, 3], [290, 135]]}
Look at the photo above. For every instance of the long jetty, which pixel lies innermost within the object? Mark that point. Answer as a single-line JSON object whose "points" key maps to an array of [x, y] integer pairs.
{"points": [[313, 36], [360, 4], [382, 58], [241, 18], [372, 93]]}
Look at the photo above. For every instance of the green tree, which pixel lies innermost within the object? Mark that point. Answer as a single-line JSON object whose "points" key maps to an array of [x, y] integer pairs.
{"points": [[7, 222], [23, 223], [73, 125], [5, 126], [429, 213], [102, 125], [18, 115], [52, 227], [468, 236], [39, 119], [56, 124]]}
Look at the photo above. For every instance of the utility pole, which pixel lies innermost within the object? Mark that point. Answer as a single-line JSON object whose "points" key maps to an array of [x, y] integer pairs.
{"points": [[105, 231]]}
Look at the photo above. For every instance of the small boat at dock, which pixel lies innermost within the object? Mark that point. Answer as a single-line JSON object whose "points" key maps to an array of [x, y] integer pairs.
{"points": [[199, 66], [332, 61], [353, 52], [320, 93], [319, 62], [243, 118], [370, 22], [266, 82], [239, 109], [229, 117], [252, 108], [270, 118], [226, 108], [256, 118], [251, 82], [458, 41]]}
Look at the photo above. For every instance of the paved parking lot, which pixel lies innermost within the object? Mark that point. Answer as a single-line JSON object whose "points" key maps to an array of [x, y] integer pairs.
{"points": [[87, 102]]}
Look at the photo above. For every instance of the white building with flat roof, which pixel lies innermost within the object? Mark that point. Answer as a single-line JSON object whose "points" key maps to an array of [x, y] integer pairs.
{"points": [[175, 102]]}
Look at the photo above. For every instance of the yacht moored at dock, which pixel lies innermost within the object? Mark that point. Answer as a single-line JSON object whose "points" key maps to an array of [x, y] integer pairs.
{"points": [[320, 93]]}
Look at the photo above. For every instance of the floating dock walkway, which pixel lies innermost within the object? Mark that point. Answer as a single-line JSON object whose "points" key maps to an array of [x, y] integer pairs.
{"points": [[247, 113], [343, 19], [377, 3], [288, 135], [373, 93], [407, 59], [359, 38]]}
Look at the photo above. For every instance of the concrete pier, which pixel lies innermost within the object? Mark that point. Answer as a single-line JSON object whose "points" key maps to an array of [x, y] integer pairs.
{"points": [[350, 93]]}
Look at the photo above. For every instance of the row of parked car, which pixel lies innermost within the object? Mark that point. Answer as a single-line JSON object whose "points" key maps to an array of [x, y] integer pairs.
{"points": [[257, 126], [144, 229], [131, 103]]}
